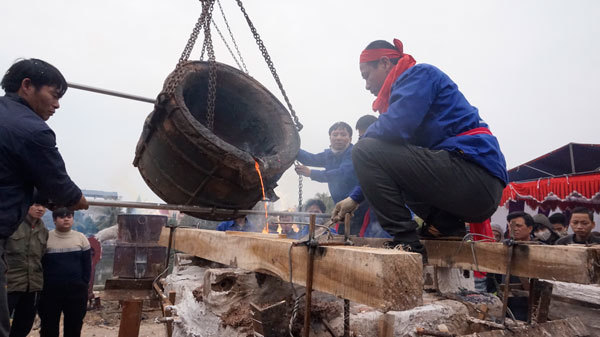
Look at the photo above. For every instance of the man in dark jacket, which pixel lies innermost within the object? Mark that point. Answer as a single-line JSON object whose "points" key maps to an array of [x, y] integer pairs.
{"points": [[28, 155], [582, 222], [25, 279], [339, 172], [428, 150]]}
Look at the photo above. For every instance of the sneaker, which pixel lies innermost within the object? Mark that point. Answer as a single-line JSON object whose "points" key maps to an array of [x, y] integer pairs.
{"points": [[413, 247]]}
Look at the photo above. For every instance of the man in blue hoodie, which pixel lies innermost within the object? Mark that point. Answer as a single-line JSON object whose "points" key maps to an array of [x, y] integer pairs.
{"points": [[428, 150], [29, 158]]}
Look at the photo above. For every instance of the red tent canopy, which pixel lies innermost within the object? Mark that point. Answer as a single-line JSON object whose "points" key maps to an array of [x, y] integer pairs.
{"points": [[563, 192], [566, 177]]}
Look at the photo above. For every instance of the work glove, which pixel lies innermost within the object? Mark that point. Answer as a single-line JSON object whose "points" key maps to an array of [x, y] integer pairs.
{"points": [[342, 208]]}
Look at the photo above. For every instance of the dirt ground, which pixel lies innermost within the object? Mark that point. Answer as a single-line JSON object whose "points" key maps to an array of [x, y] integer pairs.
{"points": [[104, 322]]}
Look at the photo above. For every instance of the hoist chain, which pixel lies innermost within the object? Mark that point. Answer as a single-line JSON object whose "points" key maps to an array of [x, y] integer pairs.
{"points": [[300, 186], [263, 50], [208, 5], [185, 55], [228, 48], [243, 67], [203, 22]]}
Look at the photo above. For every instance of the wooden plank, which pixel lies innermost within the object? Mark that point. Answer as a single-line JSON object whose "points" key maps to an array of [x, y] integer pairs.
{"points": [[573, 264], [382, 278]]}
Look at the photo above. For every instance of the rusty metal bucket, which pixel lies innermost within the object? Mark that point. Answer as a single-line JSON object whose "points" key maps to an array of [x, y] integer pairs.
{"points": [[183, 162]]}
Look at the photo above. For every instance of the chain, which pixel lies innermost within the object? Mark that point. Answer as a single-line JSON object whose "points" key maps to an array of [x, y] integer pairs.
{"points": [[232, 38], [227, 45], [207, 6], [300, 186], [265, 54], [185, 55], [203, 22]]}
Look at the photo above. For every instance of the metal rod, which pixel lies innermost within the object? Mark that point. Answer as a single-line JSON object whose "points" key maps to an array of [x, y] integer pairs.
{"points": [[346, 301], [171, 232], [309, 274], [110, 92], [195, 209]]}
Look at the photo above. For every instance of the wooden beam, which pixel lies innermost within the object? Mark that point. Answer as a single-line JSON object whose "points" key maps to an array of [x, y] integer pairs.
{"points": [[573, 264], [382, 278]]}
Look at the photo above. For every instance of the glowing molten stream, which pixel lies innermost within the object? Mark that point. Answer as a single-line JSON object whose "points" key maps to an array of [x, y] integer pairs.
{"points": [[262, 187]]}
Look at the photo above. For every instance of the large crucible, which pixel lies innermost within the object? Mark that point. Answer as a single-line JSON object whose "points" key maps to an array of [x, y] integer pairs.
{"points": [[184, 162]]}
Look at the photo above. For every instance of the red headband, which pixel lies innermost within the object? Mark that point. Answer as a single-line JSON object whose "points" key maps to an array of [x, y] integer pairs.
{"points": [[375, 54]]}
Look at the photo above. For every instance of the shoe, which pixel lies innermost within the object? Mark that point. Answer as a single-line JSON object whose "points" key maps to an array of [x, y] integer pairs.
{"points": [[413, 247], [430, 231]]}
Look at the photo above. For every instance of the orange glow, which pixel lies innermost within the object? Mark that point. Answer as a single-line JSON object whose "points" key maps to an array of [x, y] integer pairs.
{"points": [[295, 228], [262, 187]]}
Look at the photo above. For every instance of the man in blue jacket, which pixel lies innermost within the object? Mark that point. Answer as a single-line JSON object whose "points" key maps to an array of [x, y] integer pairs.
{"points": [[339, 171], [29, 158], [428, 150]]}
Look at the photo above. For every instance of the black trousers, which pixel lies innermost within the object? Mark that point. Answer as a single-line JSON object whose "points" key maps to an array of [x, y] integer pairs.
{"points": [[442, 188], [22, 306], [71, 301], [4, 316]]}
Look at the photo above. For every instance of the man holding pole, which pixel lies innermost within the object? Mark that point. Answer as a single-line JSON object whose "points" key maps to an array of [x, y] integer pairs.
{"points": [[29, 158]]}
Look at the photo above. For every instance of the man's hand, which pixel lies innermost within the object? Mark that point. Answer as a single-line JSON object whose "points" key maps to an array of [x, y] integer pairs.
{"points": [[303, 170], [81, 204], [342, 208]]}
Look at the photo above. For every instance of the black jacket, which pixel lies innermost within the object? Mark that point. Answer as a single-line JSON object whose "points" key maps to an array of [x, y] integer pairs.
{"points": [[28, 159]]}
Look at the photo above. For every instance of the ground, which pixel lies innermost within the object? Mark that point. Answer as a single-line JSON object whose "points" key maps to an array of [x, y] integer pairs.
{"points": [[104, 322]]}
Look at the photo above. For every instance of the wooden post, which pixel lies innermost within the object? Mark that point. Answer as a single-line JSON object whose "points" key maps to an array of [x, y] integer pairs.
{"points": [[172, 296], [386, 326], [169, 312], [131, 317], [540, 294]]}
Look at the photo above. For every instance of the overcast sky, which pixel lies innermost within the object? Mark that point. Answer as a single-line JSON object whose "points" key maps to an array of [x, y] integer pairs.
{"points": [[531, 67]]}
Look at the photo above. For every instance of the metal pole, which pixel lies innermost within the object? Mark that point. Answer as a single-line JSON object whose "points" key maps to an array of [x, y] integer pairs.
{"points": [[194, 209], [171, 232], [572, 158], [346, 301], [309, 274], [110, 92]]}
